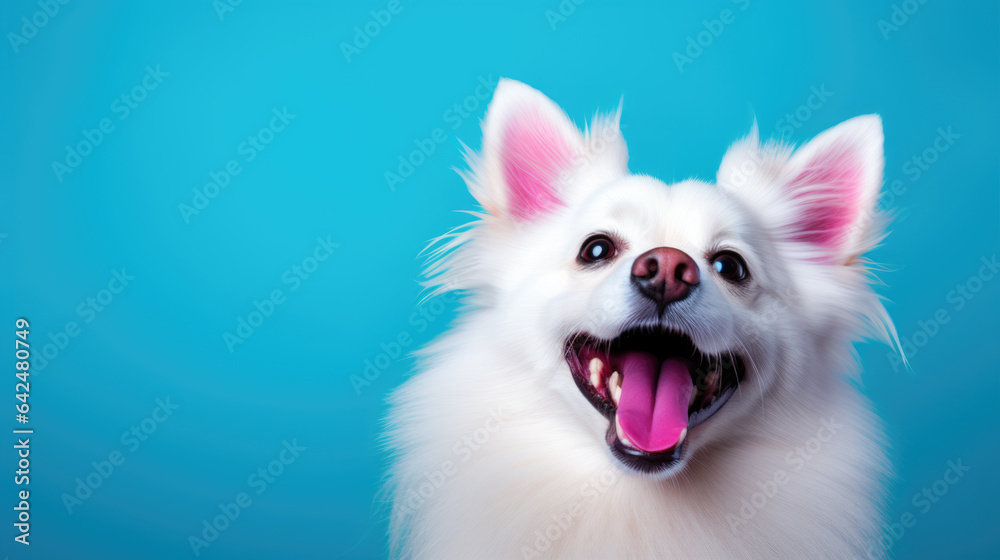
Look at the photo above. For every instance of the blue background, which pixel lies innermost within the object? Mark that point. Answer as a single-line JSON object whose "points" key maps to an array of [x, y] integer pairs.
{"points": [[323, 176]]}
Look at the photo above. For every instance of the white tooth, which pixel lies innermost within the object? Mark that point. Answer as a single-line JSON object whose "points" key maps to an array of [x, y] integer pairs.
{"points": [[615, 386], [694, 397], [621, 435], [684, 434], [595, 371]]}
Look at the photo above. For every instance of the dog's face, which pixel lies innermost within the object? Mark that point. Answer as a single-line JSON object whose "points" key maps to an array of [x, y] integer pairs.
{"points": [[670, 310]]}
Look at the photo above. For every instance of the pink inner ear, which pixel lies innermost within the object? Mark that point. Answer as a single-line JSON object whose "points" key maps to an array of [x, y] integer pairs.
{"points": [[831, 188], [534, 153]]}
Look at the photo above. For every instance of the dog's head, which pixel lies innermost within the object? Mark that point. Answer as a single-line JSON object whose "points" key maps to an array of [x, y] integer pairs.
{"points": [[673, 309]]}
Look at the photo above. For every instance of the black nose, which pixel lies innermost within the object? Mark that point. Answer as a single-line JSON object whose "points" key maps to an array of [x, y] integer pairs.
{"points": [[665, 275]]}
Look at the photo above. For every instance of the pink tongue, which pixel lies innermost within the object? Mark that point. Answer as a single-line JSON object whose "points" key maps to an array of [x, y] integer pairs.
{"points": [[653, 410]]}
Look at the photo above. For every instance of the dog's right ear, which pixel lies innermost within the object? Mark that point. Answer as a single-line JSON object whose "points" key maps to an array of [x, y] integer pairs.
{"points": [[823, 196], [530, 150]]}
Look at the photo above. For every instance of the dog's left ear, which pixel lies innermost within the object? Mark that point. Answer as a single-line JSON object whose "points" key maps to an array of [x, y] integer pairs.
{"points": [[531, 150], [823, 195]]}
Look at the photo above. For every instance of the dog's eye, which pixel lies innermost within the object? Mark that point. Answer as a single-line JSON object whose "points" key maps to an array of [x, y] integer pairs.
{"points": [[597, 248], [730, 266]]}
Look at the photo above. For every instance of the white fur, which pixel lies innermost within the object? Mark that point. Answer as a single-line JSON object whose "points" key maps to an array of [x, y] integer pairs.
{"points": [[537, 461]]}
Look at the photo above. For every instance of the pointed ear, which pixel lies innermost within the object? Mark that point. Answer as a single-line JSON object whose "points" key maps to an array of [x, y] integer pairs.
{"points": [[824, 195], [529, 147]]}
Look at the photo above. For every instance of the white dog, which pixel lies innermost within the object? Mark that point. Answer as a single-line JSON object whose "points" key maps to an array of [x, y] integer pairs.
{"points": [[648, 370]]}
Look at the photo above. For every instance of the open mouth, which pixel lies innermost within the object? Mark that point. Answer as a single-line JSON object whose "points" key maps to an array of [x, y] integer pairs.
{"points": [[653, 386]]}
